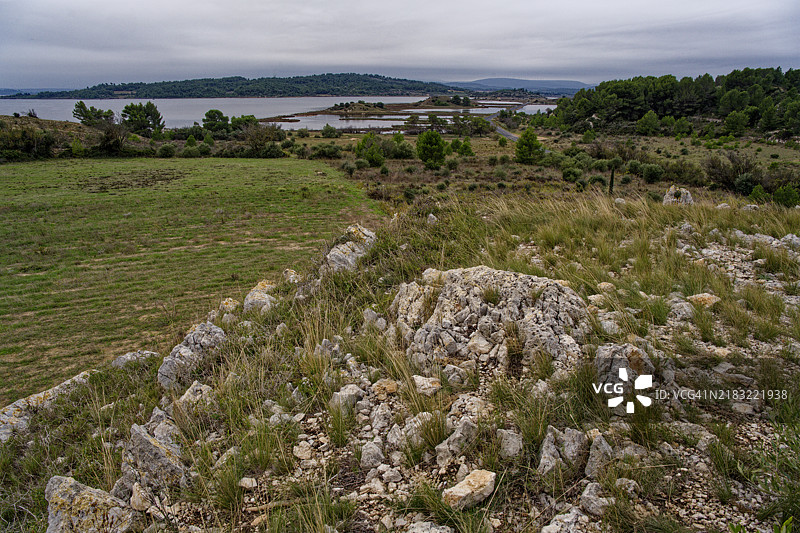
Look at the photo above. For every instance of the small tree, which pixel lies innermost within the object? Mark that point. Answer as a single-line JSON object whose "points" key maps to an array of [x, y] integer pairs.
{"points": [[91, 116], [430, 148], [648, 124], [529, 150], [329, 132], [215, 120], [466, 148]]}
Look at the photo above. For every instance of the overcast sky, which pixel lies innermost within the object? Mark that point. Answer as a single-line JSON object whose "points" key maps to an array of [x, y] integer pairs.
{"points": [[77, 43]]}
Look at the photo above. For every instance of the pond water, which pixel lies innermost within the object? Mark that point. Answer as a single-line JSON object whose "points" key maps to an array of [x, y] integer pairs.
{"points": [[532, 109], [317, 122], [471, 110], [180, 112]]}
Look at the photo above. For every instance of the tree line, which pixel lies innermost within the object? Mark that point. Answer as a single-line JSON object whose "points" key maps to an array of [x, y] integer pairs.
{"points": [[237, 86], [764, 99]]}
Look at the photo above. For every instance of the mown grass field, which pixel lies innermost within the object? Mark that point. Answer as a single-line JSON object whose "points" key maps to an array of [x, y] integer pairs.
{"points": [[101, 257]]}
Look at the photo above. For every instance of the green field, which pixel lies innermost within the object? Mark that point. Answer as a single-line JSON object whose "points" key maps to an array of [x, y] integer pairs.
{"points": [[100, 257]]}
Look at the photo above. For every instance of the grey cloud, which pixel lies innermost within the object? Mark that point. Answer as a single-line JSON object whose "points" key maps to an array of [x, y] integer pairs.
{"points": [[83, 42]]}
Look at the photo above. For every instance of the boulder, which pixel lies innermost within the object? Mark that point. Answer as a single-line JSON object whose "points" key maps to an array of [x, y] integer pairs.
{"points": [[344, 256], [475, 488], [465, 432], [174, 373], [131, 357], [371, 456], [510, 443], [675, 196], [73, 506], [427, 386], [600, 453], [592, 502], [259, 297]]}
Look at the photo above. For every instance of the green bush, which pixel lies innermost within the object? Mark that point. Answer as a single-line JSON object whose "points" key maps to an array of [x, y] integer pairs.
{"points": [[786, 196], [302, 133], [361, 164], [430, 148], [326, 151], [191, 141], [167, 150], [635, 167], [329, 132], [204, 149], [190, 151], [759, 195], [652, 173], [571, 174]]}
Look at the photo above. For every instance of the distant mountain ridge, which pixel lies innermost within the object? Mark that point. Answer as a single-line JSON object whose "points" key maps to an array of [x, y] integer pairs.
{"points": [[8, 92], [549, 87], [237, 86]]}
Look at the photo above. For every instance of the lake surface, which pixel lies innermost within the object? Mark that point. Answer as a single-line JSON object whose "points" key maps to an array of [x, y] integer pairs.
{"points": [[317, 122], [180, 112], [532, 109]]}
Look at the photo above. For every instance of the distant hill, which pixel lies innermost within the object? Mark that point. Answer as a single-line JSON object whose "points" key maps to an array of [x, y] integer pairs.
{"points": [[545, 87], [7, 92], [316, 85]]}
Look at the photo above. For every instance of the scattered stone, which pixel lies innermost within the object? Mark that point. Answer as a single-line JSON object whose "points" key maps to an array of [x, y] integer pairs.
{"points": [[432, 219], [291, 276], [302, 450], [592, 502], [140, 499], [427, 386], [704, 299], [475, 488], [229, 305], [510, 443], [723, 206], [248, 483], [600, 453], [428, 527], [455, 443], [605, 286], [371, 456], [567, 522], [346, 398], [131, 357], [750, 207]]}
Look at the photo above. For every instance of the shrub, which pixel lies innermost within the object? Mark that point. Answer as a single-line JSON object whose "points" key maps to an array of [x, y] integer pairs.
{"points": [[529, 150], [492, 160], [745, 183], [204, 149], [167, 150], [361, 164], [786, 196], [759, 195], [302, 133], [452, 164], [329, 132], [465, 149], [326, 151], [571, 174], [502, 142], [190, 151], [208, 139], [635, 167], [191, 141], [652, 173]]}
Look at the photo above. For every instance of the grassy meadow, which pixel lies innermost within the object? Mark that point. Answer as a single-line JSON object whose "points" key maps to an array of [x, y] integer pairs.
{"points": [[104, 256]]}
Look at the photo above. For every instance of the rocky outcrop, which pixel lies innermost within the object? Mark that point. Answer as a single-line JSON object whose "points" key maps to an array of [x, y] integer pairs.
{"points": [[175, 372], [73, 506], [480, 313], [15, 417]]}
